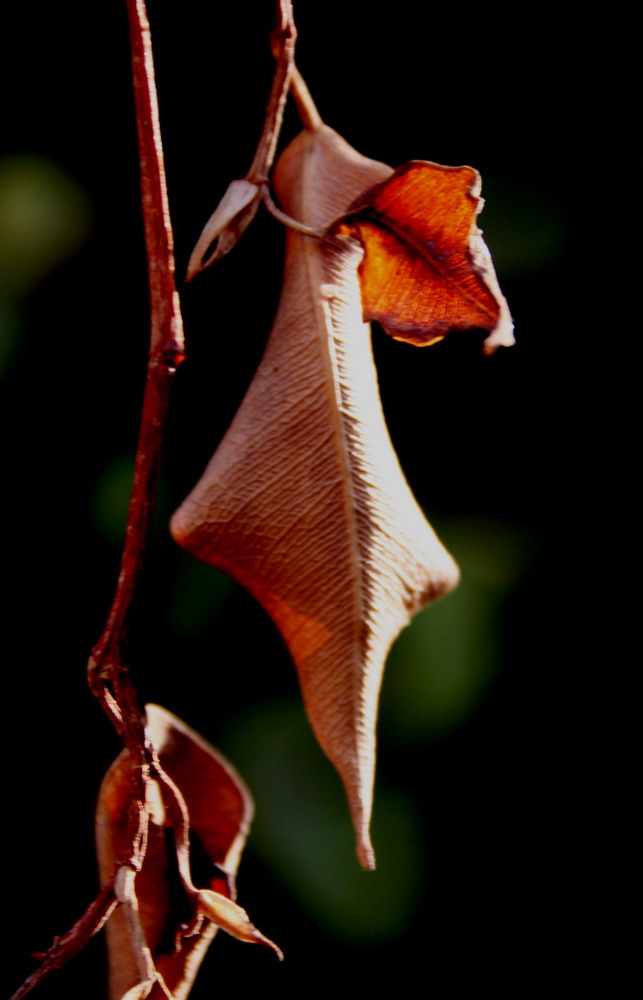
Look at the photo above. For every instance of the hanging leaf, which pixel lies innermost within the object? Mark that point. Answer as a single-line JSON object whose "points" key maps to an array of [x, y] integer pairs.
{"points": [[304, 501], [220, 811], [226, 225]]}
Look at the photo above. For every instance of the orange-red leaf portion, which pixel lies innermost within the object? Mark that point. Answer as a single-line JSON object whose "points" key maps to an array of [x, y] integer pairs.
{"points": [[426, 270]]}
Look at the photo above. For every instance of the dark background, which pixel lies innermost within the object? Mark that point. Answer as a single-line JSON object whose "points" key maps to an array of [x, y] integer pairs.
{"points": [[491, 769]]}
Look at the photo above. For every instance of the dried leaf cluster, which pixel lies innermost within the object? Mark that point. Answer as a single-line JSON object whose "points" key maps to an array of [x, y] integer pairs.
{"points": [[304, 503]]}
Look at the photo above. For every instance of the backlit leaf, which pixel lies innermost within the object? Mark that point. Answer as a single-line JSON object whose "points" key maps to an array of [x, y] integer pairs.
{"points": [[426, 269]]}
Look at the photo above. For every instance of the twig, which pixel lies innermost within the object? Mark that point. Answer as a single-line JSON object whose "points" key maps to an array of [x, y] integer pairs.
{"points": [[108, 667], [310, 116], [240, 203], [282, 42], [68, 945], [109, 672]]}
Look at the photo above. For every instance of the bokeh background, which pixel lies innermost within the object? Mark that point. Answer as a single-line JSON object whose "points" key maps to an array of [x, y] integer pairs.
{"points": [[488, 758]]}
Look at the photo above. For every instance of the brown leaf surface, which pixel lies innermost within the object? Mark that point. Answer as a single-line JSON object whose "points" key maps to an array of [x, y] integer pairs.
{"points": [[220, 811], [426, 270], [304, 501]]}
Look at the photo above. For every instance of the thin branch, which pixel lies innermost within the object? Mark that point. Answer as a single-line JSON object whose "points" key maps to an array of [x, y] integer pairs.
{"points": [[240, 203], [68, 945], [282, 42], [108, 668], [109, 672], [306, 107]]}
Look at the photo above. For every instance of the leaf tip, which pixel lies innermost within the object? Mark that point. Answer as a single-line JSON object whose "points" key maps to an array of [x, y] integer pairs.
{"points": [[365, 852], [502, 335], [358, 783]]}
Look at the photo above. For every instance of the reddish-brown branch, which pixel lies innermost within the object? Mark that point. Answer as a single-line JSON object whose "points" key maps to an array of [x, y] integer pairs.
{"points": [[308, 113], [241, 201], [109, 673], [284, 35], [109, 668], [68, 945]]}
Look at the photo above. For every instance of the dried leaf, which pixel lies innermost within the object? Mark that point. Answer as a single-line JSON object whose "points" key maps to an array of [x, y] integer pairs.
{"points": [[139, 992], [304, 501], [226, 225], [233, 919], [426, 269], [220, 811]]}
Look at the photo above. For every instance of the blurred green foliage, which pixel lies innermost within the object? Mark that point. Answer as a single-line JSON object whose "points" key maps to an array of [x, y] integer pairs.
{"points": [[199, 595], [45, 216], [110, 500], [524, 226], [443, 664]]}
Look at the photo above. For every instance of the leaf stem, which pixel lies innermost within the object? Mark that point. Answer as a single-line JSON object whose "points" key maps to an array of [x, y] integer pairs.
{"points": [[282, 43], [68, 945], [109, 668], [306, 107], [287, 220]]}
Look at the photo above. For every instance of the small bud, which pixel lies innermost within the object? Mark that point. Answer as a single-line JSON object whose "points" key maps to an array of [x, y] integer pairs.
{"points": [[232, 919], [226, 226]]}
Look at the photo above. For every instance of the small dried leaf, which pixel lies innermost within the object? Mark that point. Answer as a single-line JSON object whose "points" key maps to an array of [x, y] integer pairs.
{"points": [[226, 225], [426, 270], [220, 811], [232, 919]]}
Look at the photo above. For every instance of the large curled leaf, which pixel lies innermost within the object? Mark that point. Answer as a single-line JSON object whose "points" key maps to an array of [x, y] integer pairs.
{"points": [[304, 501], [220, 811]]}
